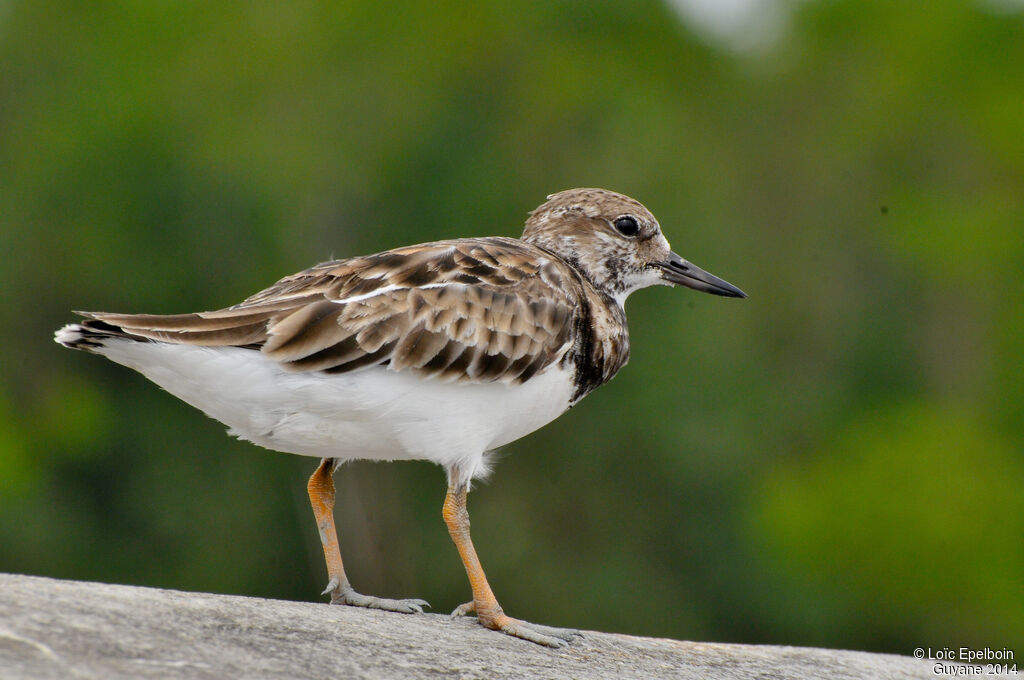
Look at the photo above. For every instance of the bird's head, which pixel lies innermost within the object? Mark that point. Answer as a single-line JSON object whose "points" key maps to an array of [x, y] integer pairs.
{"points": [[616, 243]]}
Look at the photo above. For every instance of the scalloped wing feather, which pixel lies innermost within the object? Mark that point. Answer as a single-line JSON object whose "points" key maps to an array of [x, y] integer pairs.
{"points": [[483, 310]]}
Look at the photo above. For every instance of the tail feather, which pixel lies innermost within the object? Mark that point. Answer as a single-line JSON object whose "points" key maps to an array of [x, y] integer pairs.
{"points": [[211, 329], [229, 327], [89, 335], [224, 319]]}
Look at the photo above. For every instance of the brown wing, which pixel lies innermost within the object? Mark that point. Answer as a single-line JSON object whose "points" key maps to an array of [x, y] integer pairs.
{"points": [[472, 309]]}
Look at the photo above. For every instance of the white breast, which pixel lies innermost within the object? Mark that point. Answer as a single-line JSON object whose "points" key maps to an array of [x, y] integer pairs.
{"points": [[374, 414]]}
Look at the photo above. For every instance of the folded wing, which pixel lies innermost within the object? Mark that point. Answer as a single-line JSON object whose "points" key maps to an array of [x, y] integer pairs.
{"points": [[473, 310]]}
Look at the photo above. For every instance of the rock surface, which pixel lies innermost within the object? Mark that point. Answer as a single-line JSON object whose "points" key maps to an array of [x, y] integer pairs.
{"points": [[68, 629]]}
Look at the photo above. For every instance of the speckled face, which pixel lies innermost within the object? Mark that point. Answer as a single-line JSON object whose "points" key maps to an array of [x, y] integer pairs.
{"points": [[612, 239]]}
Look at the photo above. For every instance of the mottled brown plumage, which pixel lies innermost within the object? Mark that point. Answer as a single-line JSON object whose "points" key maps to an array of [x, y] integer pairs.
{"points": [[473, 310]]}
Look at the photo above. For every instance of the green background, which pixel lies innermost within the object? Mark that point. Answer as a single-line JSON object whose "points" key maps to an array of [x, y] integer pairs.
{"points": [[837, 460]]}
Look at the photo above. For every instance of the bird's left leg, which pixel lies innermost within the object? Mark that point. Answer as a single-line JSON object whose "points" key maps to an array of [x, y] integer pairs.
{"points": [[321, 497], [486, 606]]}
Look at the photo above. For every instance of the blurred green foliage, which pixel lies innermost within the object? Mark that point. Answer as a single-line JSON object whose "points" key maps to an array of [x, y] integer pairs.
{"points": [[837, 460]]}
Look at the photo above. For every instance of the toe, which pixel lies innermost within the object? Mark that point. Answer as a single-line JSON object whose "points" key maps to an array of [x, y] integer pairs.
{"points": [[409, 606], [541, 635], [354, 599], [567, 634], [464, 609], [401, 606]]}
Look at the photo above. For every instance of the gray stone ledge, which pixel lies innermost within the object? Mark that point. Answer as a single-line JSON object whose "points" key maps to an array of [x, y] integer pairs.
{"points": [[67, 629]]}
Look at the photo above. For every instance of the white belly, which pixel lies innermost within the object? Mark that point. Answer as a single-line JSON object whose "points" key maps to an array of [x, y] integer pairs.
{"points": [[374, 414]]}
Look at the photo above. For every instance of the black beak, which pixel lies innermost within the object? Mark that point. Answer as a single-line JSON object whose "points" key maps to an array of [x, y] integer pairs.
{"points": [[680, 272]]}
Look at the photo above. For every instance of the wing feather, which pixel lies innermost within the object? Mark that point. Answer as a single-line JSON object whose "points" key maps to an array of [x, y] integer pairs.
{"points": [[492, 309], [307, 330]]}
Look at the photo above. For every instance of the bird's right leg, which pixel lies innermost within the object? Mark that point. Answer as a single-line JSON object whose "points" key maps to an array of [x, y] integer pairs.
{"points": [[321, 497], [489, 613]]}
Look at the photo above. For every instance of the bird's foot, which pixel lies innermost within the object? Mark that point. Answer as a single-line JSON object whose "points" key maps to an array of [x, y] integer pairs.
{"points": [[534, 632], [548, 636], [347, 595]]}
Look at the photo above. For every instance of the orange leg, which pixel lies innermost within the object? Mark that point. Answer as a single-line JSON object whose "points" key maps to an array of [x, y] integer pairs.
{"points": [[486, 606], [321, 497]]}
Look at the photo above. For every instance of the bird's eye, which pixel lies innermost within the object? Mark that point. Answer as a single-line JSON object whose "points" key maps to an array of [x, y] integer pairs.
{"points": [[626, 225]]}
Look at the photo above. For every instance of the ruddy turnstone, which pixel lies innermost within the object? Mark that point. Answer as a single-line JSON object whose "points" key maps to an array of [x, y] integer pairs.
{"points": [[443, 351]]}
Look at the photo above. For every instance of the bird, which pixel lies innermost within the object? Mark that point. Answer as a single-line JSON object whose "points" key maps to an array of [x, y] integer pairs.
{"points": [[442, 351]]}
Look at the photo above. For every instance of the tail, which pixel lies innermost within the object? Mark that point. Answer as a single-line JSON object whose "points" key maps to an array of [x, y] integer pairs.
{"points": [[226, 327], [90, 335]]}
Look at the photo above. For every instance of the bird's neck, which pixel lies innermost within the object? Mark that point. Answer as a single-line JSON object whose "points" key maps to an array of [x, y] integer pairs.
{"points": [[598, 280], [602, 345]]}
